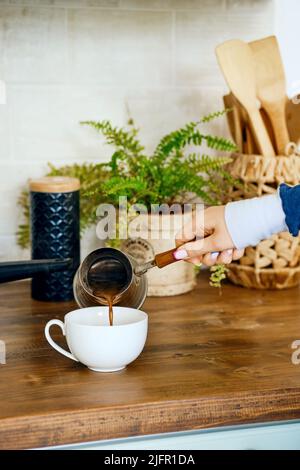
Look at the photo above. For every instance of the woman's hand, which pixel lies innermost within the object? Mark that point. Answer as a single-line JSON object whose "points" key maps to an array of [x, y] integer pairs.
{"points": [[205, 239]]}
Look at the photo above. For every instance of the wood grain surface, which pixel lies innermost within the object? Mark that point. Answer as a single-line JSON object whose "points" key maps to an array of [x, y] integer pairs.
{"points": [[210, 360]]}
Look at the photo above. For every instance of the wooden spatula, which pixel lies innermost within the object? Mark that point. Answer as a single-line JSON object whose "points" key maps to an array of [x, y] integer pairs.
{"points": [[234, 120], [236, 61], [271, 87], [238, 124]]}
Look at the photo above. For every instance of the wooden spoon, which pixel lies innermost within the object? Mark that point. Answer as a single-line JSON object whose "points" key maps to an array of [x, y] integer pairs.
{"points": [[236, 61], [271, 87], [293, 119]]}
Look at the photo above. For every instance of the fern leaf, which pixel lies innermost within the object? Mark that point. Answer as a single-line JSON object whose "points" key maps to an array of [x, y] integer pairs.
{"points": [[120, 137], [219, 143], [217, 114]]}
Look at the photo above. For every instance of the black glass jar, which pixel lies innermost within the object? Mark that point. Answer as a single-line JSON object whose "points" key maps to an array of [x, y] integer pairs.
{"points": [[54, 216]]}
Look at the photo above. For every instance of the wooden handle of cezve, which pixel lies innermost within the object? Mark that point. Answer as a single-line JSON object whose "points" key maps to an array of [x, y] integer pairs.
{"points": [[165, 258]]}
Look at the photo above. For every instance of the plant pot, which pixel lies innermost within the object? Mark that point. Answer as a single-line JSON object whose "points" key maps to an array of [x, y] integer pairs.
{"points": [[155, 237]]}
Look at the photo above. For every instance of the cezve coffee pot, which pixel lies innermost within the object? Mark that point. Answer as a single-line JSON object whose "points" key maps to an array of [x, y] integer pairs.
{"points": [[108, 266]]}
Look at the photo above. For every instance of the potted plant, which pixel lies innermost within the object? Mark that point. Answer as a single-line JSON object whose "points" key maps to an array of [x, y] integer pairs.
{"points": [[178, 171]]}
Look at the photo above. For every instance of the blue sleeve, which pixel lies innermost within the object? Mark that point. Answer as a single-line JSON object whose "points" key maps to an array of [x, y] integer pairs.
{"points": [[290, 198]]}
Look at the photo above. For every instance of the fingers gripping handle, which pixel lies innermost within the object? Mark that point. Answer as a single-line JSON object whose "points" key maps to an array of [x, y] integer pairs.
{"points": [[52, 343], [165, 258], [169, 257]]}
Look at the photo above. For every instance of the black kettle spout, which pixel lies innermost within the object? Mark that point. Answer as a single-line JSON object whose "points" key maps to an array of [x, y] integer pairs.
{"points": [[17, 270]]}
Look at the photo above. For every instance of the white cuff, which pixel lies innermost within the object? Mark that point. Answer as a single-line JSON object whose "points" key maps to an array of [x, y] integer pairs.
{"points": [[251, 220]]}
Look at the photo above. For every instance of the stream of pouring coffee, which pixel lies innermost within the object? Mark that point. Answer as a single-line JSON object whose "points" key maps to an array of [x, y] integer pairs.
{"points": [[108, 291]]}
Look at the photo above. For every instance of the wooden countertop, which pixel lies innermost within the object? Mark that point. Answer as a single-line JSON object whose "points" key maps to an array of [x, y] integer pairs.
{"points": [[210, 360]]}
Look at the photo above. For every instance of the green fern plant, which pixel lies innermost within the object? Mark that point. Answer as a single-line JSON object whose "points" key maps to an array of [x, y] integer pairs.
{"points": [[178, 169], [171, 173]]}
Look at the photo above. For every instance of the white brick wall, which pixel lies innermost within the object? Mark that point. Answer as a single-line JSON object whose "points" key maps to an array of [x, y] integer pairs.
{"points": [[68, 60]]}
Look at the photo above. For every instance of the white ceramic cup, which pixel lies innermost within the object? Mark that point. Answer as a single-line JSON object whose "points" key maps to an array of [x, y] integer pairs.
{"points": [[96, 344]]}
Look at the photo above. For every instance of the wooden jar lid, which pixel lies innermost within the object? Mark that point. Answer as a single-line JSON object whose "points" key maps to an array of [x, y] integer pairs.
{"points": [[54, 184]]}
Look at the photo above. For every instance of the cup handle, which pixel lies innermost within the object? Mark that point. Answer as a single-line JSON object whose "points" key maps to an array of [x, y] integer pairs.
{"points": [[52, 343]]}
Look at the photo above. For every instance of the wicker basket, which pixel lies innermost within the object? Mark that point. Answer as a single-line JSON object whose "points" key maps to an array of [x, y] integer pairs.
{"points": [[273, 263]]}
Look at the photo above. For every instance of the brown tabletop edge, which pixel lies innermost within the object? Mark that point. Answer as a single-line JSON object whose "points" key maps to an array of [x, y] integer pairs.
{"points": [[94, 424]]}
